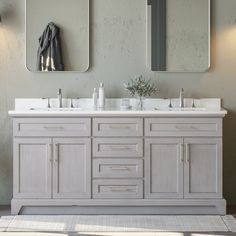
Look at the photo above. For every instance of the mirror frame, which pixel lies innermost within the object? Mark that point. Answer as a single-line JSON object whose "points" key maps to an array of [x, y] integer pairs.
{"points": [[66, 71], [149, 63]]}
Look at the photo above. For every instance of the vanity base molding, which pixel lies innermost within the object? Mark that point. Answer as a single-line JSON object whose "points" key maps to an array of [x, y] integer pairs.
{"points": [[116, 207]]}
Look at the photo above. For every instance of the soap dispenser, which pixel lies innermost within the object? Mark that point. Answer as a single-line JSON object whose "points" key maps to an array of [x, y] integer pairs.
{"points": [[95, 98], [101, 95]]}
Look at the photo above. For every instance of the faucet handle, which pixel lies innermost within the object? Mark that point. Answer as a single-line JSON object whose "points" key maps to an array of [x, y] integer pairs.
{"points": [[71, 103], [48, 102], [193, 103], [170, 104]]}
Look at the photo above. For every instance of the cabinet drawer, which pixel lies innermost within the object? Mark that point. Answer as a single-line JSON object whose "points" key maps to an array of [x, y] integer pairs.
{"points": [[114, 147], [115, 127], [183, 127], [52, 127], [122, 168], [117, 189]]}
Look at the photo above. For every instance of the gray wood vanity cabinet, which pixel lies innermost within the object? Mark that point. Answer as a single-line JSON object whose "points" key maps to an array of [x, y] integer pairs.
{"points": [[118, 165], [52, 168], [183, 168]]}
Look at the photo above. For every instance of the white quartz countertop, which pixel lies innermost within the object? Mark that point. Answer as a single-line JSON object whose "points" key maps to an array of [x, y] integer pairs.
{"points": [[22, 113], [83, 107]]}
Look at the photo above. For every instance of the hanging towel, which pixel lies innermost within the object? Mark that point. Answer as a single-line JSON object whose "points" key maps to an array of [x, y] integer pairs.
{"points": [[49, 56]]}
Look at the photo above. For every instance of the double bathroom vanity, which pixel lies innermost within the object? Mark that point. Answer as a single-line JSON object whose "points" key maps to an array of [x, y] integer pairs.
{"points": [[70, 158], [84, 161]]}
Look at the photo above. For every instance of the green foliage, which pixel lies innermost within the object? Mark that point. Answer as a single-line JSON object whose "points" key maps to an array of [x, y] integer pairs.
{"points": [[140, 87]]}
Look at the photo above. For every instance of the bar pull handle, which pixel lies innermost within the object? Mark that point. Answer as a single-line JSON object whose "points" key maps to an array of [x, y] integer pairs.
{"points": [[118, 127], [119, 148], [120, 189], [56, 153], [51, 128], [50, 152], [187, 153], [120, 168], [185, 128], [181, 152]]}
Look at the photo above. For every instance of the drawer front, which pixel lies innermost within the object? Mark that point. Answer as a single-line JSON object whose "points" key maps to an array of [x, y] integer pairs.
{"points": [[114, 147], [79, 127], [117, 189], [116, 127], [122, 168], [183, 127]]}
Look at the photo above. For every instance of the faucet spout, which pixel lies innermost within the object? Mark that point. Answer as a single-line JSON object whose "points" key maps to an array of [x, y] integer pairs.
{"points": [[59, 96], [181, 98]]}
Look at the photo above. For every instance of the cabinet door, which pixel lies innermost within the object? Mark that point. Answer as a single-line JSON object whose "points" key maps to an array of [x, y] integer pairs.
{"points": [[72, 168], [164, 168], [32, 168], [203, 168]]}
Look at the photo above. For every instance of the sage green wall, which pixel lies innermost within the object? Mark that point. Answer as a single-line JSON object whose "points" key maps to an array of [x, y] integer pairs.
{"points": [[117, 52]]}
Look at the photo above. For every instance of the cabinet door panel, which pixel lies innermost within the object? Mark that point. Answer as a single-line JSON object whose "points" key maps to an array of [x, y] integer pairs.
{"points": [[72, 168], [32, 168], [164, 168], [203, 168]]}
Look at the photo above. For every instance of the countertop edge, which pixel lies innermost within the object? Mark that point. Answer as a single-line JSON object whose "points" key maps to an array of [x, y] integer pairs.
{"points": [[211, 113]]}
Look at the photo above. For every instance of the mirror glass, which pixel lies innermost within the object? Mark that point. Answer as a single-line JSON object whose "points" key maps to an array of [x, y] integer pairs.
{"points": [[57, 35], [178, 35]]}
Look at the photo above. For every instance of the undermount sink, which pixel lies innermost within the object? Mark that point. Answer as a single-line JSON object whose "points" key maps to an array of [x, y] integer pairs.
{"points": [[182, 109], [56, 109]]}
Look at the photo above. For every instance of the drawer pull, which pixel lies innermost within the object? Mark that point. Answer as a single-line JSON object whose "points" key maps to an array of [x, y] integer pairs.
{"points": [[53, 128], [120, 189], [180, 127], [124, 168], [125, 148], [117, 127]]}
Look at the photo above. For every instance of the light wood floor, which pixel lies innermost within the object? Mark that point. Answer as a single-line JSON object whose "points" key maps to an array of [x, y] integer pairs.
{"points": [[5, 210]]}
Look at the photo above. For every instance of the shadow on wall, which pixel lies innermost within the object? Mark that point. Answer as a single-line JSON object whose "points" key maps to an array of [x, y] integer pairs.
{"points": [[225, 66], [229, 160]]}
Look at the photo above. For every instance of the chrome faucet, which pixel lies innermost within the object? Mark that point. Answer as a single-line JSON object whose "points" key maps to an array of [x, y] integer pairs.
{"points": [[59, 96], [181, 98]]}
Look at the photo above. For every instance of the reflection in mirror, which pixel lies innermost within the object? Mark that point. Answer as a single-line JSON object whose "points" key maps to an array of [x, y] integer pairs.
{"points": [[178, 35], [57, 35]]}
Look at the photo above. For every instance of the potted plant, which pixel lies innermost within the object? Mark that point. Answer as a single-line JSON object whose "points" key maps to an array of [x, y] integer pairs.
{"points": [[140, 88]]}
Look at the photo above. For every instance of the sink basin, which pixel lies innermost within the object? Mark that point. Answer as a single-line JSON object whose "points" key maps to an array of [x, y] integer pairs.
{"points": [[57, 109], [182, 109]]}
